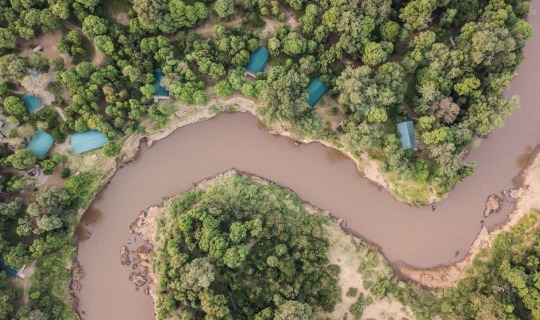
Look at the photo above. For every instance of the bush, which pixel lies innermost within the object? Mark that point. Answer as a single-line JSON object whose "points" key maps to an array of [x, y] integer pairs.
{"points": [[357, 308], [352, 292], [65, 173], [112, 149]]}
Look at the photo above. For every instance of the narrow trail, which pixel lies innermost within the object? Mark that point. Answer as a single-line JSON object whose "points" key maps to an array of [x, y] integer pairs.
{"points": [[205, 29]]}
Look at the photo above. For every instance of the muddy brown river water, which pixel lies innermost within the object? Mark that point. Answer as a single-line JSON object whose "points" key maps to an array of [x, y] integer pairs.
{"points": [[319, 175]]}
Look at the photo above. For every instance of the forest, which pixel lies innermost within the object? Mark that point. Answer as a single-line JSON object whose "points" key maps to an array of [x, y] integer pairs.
{"points": [[442, 64], [501, 283], [239, 248], [234, 252]]}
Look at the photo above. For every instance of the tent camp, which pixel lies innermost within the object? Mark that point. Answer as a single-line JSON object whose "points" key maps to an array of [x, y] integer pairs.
{"points": [[406, 130], [41, 143], [31, 102], [88, 140], [257, 60], [161, 92], [316, 91]]}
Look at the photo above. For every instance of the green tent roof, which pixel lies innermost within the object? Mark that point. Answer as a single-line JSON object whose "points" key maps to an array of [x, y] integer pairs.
{"points": [[316, 90], [88, 140], [31, 102], [257, 60], [160, 89], [406, 130], [41, 143]]}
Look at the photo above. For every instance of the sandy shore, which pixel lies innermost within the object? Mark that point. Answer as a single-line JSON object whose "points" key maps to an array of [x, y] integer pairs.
{"points": [[527, 198]]}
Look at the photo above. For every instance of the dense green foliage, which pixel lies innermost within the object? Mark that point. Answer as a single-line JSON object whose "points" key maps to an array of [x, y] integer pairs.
{"points": [[444, 64], [233, 251], [502, 282]]}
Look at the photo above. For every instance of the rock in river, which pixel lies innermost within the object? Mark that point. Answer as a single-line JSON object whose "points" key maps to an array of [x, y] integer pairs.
{"points": [[138, 279], [124, 256], [493, 204]]}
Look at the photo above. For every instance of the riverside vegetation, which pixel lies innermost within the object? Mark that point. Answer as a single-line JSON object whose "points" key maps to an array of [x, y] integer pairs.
{"points": [[445, 64], [238, 247]]}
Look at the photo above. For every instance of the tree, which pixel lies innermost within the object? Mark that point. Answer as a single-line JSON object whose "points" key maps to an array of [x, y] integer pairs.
{"points": [[12, 67], [445, 110], [224, 8], [374, 53], [15, 106], [294, 44], [284, 94], [417, 14], [294, 310], [104, 44], [48, 223], [234, 256], [356, 31], [10, 209], [187, 15], [112, 149], [238, 232], [377, 9], [84, 69], [224, 89], [7, 39], [390, 31], [22, 159], [148, 90], [39, 61], [197, 275], [48, 21], [215, 306], [466, 86], [489, 45], [150, 12], [93, 26], [360, 90]]}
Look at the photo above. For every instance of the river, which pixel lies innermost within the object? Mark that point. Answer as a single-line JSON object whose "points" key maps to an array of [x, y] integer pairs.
{"points": [[320, 175]]}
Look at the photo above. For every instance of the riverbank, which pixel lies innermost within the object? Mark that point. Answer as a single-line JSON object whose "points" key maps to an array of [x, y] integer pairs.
{"points": [[190, 114], [193, 114], [351, 254], [527, 195]]}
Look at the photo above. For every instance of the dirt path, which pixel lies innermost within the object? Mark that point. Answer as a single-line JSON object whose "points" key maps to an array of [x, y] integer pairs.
{"points": [[25, 283], [99, 59], [207, 28]]}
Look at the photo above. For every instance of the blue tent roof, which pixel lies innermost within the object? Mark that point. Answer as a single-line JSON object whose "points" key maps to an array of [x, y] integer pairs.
{"points": [[31, 102], [10, 271], [88, 140], [406, 130], [257, 60], [41, 143], [316, 90], [160, 89]]}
